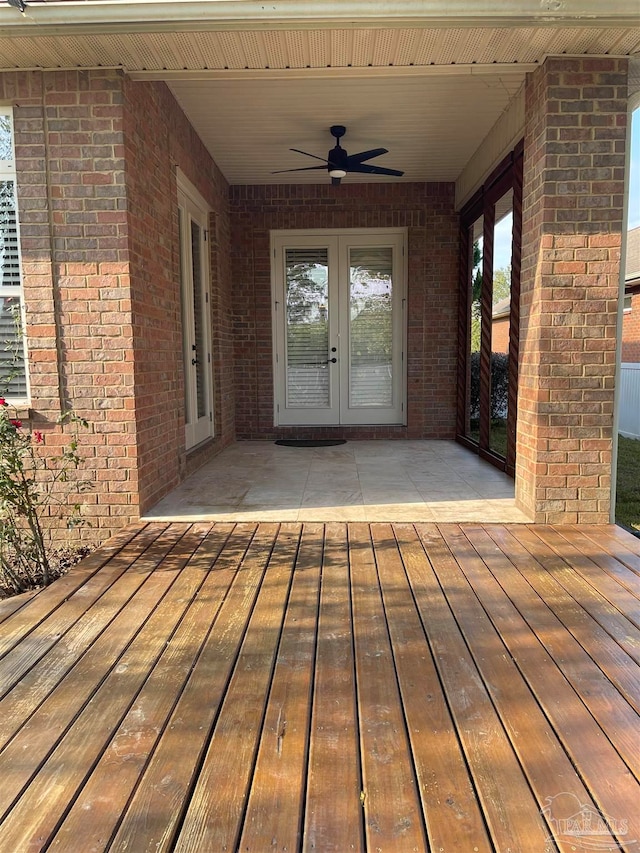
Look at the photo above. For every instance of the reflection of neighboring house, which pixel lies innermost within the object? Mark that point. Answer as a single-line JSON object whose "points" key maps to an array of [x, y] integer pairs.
{"points": [[631, 320], [500, 325]]}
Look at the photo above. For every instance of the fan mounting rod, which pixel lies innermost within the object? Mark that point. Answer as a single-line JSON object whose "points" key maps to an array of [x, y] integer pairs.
{"points": [[338, 130]]}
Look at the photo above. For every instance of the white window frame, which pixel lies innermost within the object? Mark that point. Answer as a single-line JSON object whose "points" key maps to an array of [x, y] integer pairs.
{"points": [[193, 207], [338, 241], [8, 173]]}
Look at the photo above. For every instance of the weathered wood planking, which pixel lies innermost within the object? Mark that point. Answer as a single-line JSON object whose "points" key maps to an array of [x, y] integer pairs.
{"points": [[331, 687], [275, 808], [392, 811], [38, 607], [213, 817], [333, 808], [452, 813], [510, 810], [107, 791], [612, 620], [152, 817], [546, 739]]}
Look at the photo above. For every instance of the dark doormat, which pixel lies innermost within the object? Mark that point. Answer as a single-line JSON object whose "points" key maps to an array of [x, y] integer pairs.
{"points": [[310, 442]]}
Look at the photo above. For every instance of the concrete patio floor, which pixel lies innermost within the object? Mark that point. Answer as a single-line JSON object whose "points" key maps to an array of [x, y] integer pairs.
{"points": [[368, 481]]}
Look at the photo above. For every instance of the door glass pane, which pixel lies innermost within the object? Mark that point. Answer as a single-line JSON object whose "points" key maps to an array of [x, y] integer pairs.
{"points": [[500, 323], [370, 327], [185, 298], [475, 283], [307, 329], [199, 353]]}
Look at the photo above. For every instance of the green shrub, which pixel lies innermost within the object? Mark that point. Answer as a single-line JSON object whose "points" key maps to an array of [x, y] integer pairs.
{"points": [[499, 385], [35, 489]]}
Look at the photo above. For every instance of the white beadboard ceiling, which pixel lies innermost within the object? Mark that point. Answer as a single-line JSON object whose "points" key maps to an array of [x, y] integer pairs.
{"points": [[363, 47], [430, 94], [430, 124]]}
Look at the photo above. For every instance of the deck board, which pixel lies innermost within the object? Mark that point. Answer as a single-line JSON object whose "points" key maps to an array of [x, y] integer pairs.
{"points": [[390, 798], [334, 822], [452, 813], [109, 786], [275, 808], [326, 687], [152, 817], [509, 808], [512, 612]]}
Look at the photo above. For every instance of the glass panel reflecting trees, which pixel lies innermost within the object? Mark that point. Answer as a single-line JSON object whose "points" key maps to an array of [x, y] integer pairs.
{"points": [[307, 330], [501, 322], [491, 233], [473, 420]]}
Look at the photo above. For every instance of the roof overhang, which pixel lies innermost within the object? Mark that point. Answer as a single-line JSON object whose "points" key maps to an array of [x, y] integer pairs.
{"points": [[89, 16]]}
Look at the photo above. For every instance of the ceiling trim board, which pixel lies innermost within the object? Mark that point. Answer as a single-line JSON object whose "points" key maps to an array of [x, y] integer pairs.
{"points": [[451, 70]]}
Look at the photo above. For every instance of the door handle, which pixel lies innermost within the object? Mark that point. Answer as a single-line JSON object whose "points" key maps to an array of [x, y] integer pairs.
{"points": [[332, 360]]}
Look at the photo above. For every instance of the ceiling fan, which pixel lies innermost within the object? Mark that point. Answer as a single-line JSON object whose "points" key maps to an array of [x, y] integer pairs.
{"points": [[338, 163]]}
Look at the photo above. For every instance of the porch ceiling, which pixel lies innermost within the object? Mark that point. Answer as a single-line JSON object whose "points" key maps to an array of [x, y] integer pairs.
{"points": [[430, 123], [255, 81]]}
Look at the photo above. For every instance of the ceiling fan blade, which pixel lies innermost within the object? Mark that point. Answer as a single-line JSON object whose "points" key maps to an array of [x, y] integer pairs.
{"points": [[306, 154], [365, 169], [366, 155], [303, 169]]}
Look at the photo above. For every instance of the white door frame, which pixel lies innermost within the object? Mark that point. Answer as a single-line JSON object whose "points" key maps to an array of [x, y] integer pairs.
{"points": [[338, 243], [197, 363]]}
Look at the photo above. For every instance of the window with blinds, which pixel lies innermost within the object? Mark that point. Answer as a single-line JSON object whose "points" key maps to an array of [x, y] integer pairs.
{"points": [[13, 375]]}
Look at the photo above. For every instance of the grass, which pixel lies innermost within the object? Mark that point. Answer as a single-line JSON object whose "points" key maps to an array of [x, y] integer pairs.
{"points": [[498, 436], [628, 490]]}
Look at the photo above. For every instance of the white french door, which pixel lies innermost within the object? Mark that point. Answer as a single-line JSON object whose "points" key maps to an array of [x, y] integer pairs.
{"points": [[339, 327], [193, 217]]}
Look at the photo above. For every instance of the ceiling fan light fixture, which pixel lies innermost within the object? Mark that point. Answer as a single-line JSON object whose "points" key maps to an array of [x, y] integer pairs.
{"points": [[339, 163]]}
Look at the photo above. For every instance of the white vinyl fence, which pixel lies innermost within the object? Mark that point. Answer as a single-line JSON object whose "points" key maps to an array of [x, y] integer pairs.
{"points": [[629, 424]]}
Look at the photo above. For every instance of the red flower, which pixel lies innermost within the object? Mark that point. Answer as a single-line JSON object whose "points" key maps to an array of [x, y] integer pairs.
{"points": [[17, 424], [38, 436], [3, 402]]}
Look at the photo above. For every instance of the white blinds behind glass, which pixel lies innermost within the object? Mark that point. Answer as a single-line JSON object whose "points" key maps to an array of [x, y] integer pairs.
{"points": [[370, 327], [12, 361], [307, 295]]}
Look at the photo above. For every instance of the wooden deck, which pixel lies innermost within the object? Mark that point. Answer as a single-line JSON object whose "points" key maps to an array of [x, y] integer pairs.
{"points": [[383, 687]]}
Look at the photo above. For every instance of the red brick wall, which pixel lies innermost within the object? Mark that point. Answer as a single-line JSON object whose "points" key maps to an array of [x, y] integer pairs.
{"points": [[500, 334], [74, 240], [427, 211], [98, 239], [158, 138], [576, 114], [631, 331]]}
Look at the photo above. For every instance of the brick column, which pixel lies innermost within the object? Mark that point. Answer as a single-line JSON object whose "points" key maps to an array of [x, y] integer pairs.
{"points": [[72, 205], [576, 114]]}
